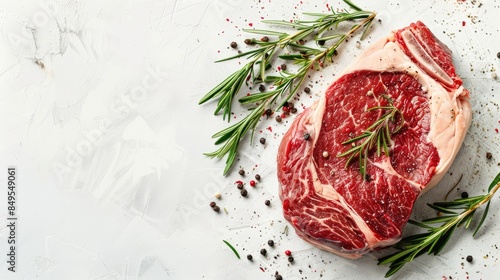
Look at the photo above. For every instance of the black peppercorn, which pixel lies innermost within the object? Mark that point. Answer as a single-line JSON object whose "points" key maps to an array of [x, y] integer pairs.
{"points": [[469, 258], [294, 110], [262, 88], [263, 251], [249, 257], [212, 204], [489, 155], [368, 178], [262, 140], [233, 45], [278, 277], [278, 118], [267, 202], [321, 42], [241, 172], [270, 242], [239, 186], [216, 208], [307, 90], [257, 177], [307, 136], [244, 193], [498, 54], [264, 39], [268, 112], [465, 195], [301, 42], [290, 259], [283, 66]]}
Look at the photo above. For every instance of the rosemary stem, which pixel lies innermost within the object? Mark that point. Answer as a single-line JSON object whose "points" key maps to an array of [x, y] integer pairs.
{"points": [[368, 19]]}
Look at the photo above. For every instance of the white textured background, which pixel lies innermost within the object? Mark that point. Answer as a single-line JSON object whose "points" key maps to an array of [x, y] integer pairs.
{"points": [[98, 111]]}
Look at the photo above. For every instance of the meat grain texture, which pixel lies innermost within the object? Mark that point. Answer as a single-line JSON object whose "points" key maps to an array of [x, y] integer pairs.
{"points": [[332, 206]]}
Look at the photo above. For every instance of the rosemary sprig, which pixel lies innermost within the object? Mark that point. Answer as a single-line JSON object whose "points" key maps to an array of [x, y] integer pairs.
{"points": [[287, 83], [434, 240], [377, 135]]}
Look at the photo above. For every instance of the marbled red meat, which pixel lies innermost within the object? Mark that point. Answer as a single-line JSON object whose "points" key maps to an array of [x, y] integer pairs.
{"points": [[332, 206]]}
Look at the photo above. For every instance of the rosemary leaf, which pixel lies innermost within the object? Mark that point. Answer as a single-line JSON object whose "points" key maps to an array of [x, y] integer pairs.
{"points": [[468, 219], [394, 269], [232, 248], [248, 53], [291, 56], [265, 32], [418, 224], [412, 240], [463, 203], [256, 97], [270, 79], [441, 209], [439, 219], [443, 239], [284, 23], [331, 37], [485, 213], [352, 5], [312, 14], [494, 182], [366, 27]]}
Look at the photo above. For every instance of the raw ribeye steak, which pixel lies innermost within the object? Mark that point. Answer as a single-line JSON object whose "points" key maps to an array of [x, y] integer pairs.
{"points": [[328, 202]]}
